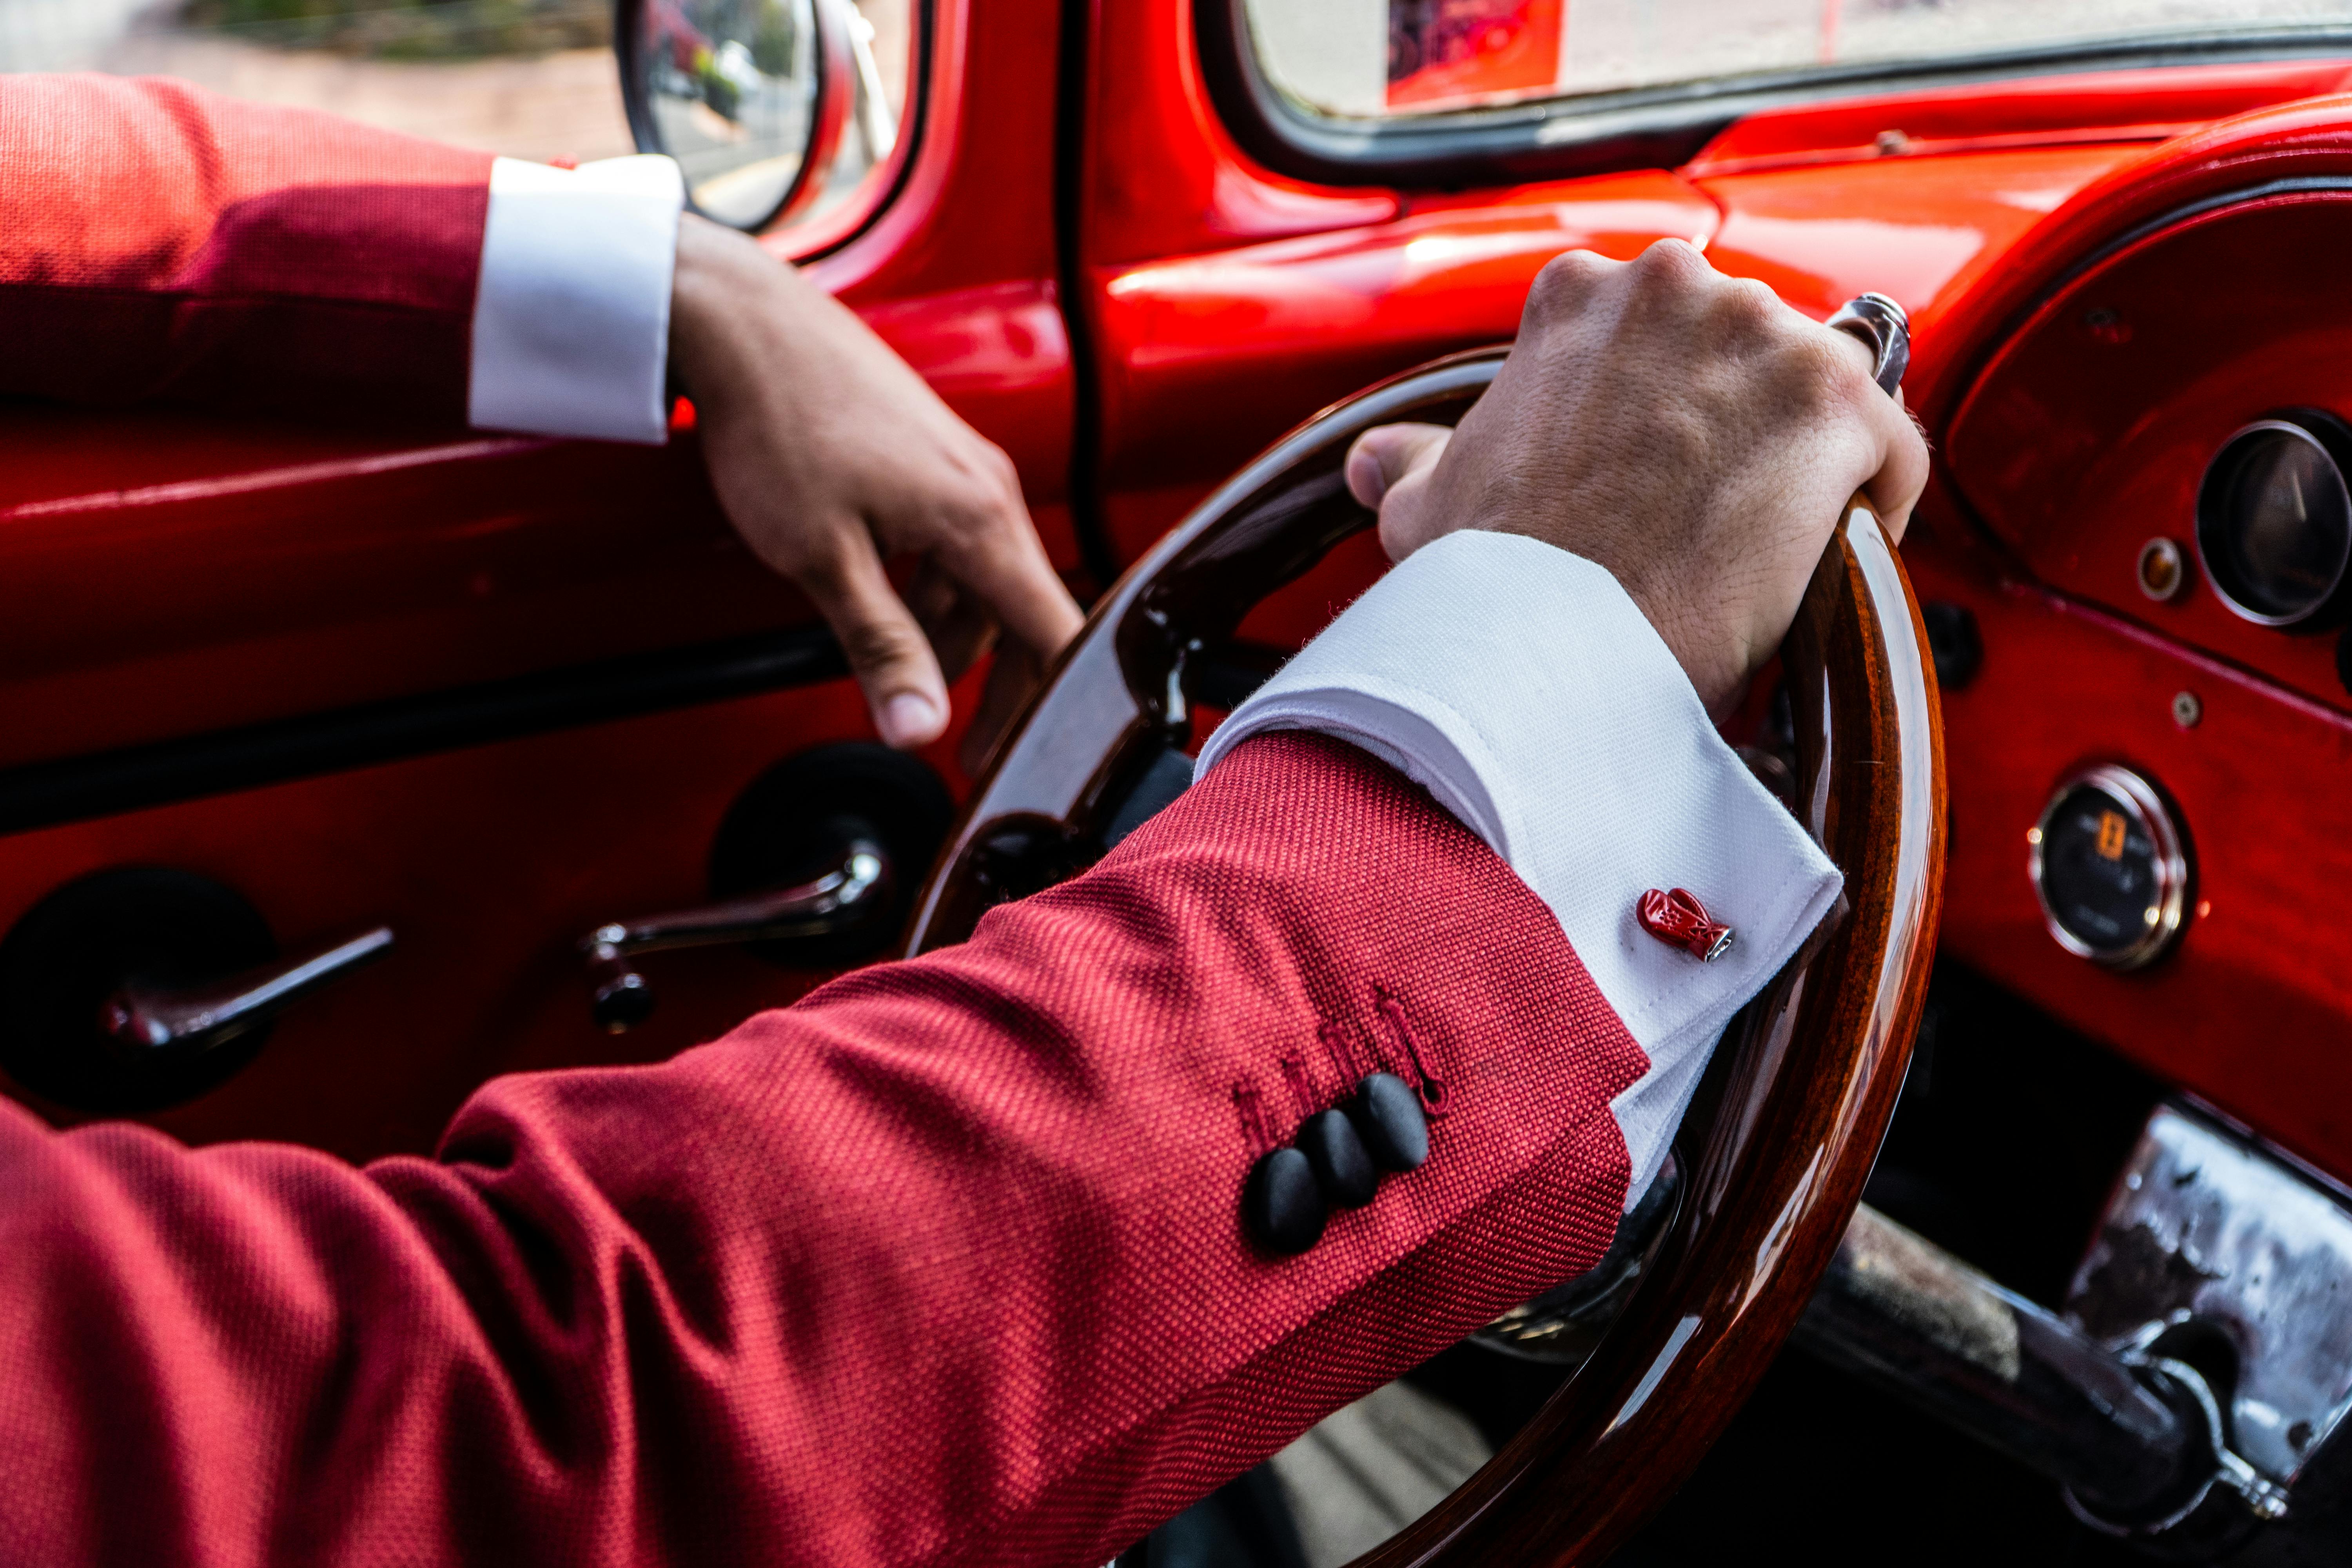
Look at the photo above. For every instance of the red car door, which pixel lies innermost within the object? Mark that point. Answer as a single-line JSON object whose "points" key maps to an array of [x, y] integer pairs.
{"points": [[488, 691]]}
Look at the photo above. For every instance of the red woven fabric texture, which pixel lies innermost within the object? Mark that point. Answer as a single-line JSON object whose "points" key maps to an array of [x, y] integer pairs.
{"points": [[158, 242], [941, 1266]]}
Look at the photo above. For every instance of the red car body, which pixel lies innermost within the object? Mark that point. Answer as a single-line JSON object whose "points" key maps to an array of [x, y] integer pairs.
{"points": [[1074, 248]]}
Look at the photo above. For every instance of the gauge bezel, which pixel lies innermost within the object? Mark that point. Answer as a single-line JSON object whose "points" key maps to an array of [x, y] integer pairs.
{"points": [[2332, 440], [2153, 815]]}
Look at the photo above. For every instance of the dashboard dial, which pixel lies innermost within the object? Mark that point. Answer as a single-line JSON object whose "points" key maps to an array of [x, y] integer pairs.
{"points": [[2274, 520], [2109, 864]]}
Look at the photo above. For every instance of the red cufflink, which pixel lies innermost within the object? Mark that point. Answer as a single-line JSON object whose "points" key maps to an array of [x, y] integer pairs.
{"points": [[1679, 920]]}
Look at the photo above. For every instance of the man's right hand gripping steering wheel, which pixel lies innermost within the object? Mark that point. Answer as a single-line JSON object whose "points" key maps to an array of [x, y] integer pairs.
{"points": [[1687, 430]]}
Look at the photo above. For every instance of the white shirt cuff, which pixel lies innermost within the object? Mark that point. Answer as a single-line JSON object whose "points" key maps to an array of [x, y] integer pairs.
{"points": [[571, 316], [1524, 690]]}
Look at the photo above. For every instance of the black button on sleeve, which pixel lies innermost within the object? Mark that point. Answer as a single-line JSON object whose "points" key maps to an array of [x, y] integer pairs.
{"points": [[1280, 1205], [1388, 1117], [1343, 1169]]}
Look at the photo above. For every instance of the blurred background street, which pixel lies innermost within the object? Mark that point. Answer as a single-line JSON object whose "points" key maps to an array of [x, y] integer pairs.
{"points": [[530, 79]]}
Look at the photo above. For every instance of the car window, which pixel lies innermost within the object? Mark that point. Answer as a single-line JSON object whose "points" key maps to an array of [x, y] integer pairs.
{"points": [[528, 79], [1383, 59]]}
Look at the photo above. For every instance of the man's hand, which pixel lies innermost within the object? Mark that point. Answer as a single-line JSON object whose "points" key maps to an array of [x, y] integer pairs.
{"points": [[830, 454], [1687, 430]]}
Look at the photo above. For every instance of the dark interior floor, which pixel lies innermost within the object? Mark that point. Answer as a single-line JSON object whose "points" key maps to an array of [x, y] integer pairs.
{"points": [[2010, 1132]]}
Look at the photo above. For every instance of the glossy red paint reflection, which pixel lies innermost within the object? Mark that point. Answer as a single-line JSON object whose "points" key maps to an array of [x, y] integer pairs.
{"points": [[1204, 358], [1919, 229], [2022, 111]]}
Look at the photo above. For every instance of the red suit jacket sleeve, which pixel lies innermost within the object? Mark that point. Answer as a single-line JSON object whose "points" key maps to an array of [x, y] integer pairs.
{"points": [[159, 243], [941, 1266]]}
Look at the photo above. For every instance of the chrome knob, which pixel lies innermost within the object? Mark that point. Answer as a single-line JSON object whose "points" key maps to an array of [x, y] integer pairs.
{"points": [[190, 1020]]}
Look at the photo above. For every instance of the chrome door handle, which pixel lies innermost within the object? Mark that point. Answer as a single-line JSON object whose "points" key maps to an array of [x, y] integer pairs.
{"points": [[854, 890], [193, 1019]]}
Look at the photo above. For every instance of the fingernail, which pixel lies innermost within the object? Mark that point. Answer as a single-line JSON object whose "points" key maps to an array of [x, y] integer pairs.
{"points": [[910, 719], [1367, 478]]}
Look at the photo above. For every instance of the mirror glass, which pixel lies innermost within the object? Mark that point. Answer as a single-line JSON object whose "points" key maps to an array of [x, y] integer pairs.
{"points": [[732, 87], [773, 108]]}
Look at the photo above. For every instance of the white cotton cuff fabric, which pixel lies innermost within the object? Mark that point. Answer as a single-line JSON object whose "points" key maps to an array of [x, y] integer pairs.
{"points": [[571, 316], [1524, 690]]}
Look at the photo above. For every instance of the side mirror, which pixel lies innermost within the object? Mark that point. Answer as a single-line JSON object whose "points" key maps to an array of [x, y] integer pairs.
{"points": [[753, 98]]}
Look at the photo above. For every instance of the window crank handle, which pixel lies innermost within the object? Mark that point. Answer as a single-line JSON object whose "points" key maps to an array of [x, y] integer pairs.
{"points": [[854, 891], [191, 1019]]}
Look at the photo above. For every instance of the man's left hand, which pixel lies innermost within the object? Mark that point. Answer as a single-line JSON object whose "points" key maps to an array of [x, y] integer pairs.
{"points": [[831, 454]]}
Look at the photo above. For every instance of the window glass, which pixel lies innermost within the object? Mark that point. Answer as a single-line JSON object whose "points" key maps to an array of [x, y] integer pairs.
{"points": [[529, 79], [1382, 57]]}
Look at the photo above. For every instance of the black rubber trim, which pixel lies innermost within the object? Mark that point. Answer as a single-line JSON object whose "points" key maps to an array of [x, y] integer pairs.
{"points": [[910, 134], [1073, 82], [42, 795], [1660, 127]]}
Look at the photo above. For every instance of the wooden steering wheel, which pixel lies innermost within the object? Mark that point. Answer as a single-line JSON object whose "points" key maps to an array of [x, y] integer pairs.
{"points": [[1787, 1124]]}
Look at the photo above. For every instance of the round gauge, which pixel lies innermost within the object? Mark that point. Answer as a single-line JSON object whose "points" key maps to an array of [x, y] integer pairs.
{"points": [[2274, 520], [2108, 864]]}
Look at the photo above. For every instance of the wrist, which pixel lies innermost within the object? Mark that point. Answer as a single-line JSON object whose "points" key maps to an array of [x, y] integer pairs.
{"points": [[718, 293]]}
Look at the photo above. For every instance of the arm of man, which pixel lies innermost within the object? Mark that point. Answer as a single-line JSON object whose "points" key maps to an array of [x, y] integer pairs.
{"points": [[946, 1263], [162, 244]]}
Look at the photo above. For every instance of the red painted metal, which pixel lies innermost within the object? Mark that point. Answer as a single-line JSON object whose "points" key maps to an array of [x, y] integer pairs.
{"points": [[1204, 358], [2023, 111], [488, 864], [1210, 345], [1161, 175], [1921, 230], [171, 575], [2089, 433], [2248, 1010]]}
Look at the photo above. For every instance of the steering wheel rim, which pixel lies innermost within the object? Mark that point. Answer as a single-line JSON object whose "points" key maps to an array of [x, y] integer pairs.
{"points": [[1788, 1122]]}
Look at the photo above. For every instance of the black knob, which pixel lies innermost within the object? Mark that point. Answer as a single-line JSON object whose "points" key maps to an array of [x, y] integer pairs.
{"points": [[1281, 1207], [621, 1001], [1389, 1116], [1953, 641], [1342, 1166]]}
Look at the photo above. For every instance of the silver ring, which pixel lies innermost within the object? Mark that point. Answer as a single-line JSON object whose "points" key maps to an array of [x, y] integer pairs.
{"points": [[1879, 324]]}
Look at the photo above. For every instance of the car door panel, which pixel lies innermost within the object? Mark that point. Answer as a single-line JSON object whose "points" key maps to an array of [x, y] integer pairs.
{"points": [[489, 690], [489, 862]]}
